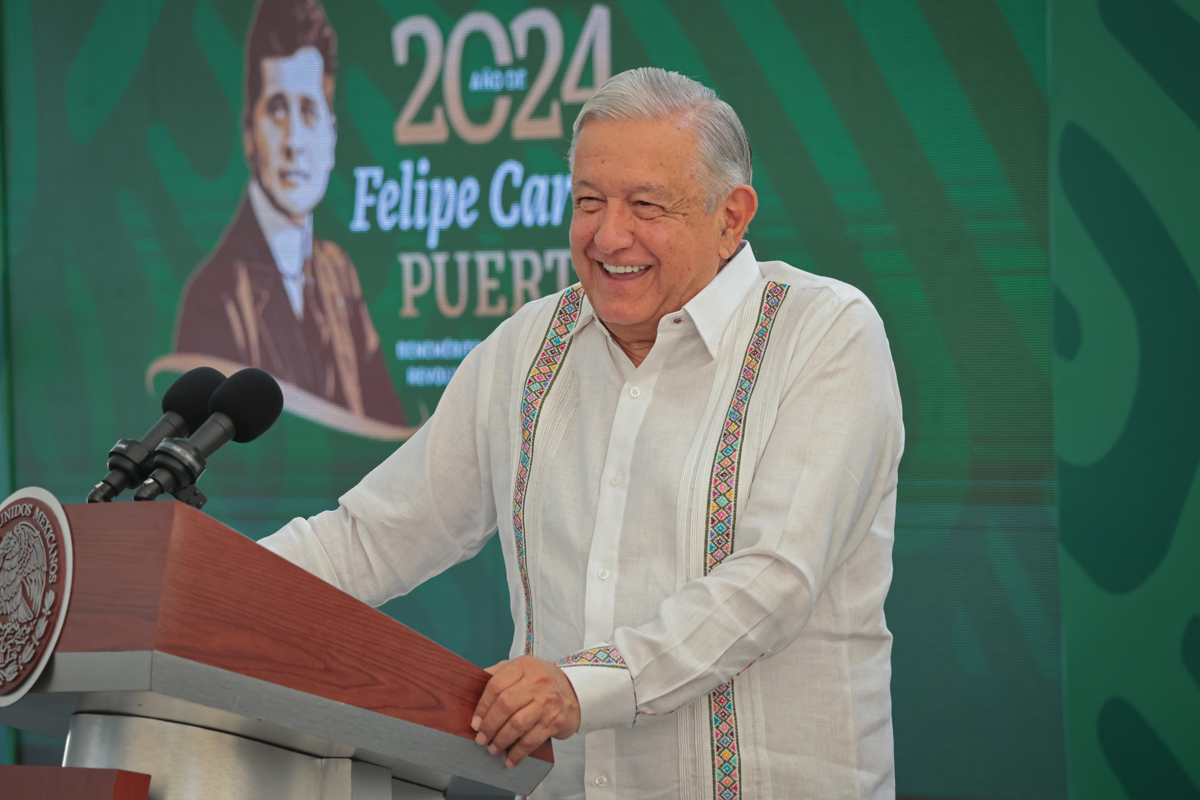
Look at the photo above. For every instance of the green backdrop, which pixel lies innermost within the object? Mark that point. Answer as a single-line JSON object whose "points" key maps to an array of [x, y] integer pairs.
{"points": [[914, 148], [1125, 200]]}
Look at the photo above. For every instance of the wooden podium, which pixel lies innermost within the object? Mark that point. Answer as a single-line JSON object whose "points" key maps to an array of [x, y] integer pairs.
{"points": [[193, 655]]}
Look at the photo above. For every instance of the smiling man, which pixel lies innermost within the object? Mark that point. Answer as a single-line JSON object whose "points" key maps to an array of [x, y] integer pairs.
{"points": [[691, 460], [271, 295]]}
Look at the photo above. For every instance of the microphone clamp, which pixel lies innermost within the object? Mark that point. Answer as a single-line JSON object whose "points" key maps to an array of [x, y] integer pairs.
{"points": [[178, 465], [182, 458], [125, 459]]}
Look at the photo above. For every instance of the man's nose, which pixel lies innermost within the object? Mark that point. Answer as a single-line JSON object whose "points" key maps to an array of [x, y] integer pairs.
{"points": [[616, 228], [293, 137]]}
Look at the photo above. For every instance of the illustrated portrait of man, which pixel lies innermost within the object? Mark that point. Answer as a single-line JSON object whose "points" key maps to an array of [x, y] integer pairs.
{"points": [[272, 295]]}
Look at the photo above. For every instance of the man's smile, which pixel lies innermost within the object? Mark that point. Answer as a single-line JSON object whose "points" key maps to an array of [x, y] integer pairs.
{"points": [[293, 176], [618, 269]]}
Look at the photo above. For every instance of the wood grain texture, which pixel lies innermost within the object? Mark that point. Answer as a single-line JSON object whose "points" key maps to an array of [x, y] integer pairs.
{"points": [[77, 783], [166, 577], [120, 559]]}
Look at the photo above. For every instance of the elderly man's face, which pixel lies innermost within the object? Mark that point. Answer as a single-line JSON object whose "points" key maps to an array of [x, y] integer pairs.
{"points": [[641, 240], [293, 132]]}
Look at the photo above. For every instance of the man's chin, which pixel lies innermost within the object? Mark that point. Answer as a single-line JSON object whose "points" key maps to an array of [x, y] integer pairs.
{"points": [[298, 202]]}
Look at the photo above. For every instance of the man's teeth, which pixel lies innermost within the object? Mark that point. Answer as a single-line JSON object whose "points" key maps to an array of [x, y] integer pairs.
{"points": [[612, 268]]}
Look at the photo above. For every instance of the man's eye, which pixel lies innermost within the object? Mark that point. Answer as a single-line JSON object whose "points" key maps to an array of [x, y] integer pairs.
{"points": [[277, 107], [588, 203], [308, 109]]}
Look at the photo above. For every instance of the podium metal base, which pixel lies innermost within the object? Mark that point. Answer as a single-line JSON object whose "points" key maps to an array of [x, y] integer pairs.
{"points": [[186, 762]]}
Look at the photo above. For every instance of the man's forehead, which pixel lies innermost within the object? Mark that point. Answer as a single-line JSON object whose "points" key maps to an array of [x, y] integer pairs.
{"points": [[653, 189], [301, 72]]}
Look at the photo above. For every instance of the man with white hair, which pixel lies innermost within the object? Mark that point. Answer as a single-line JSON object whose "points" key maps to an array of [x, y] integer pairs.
{"points": [[691, 460]]}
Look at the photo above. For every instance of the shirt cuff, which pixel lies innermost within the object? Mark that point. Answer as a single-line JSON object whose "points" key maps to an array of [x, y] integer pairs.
{"points": [[603, 685]]}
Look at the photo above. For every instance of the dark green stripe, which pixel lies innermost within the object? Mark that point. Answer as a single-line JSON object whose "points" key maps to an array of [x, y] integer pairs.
{"points": [[1004, 94], [982, 336], [1119, 514], [1142, 762], [1165, 40]]}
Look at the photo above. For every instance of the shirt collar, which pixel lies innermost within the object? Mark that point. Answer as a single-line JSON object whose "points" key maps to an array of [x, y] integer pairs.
{"points": [[291, 244], [713, 308]]}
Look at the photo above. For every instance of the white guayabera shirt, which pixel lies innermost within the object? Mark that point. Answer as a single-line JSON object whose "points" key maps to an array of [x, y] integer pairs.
{"points": [[703, 542]]}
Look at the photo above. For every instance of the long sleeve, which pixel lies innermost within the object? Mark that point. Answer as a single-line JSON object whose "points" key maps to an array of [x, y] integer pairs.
{"points": [[827, 469], [427, 507]]}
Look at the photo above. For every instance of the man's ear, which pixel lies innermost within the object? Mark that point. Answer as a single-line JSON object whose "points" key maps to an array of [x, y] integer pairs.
{"points": [[248, 149], [738, 208]]}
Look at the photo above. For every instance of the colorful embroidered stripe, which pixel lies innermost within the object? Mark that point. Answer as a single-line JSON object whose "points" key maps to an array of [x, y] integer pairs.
{"points": [[607, 656], [726, 758], [722, 517], [537, 386], [723, 499]]}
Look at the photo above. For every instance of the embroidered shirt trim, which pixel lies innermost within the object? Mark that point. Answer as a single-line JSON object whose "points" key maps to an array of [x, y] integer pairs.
{"points": [[722, 517], [607, 656], [550, 356]]}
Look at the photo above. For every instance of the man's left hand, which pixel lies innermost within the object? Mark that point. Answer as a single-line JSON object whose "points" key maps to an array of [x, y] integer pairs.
{"points": [[526, 702]]}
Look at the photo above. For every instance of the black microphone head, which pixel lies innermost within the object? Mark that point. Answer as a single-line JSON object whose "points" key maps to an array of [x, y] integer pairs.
{"points": [[251, 399], [189, 395]]}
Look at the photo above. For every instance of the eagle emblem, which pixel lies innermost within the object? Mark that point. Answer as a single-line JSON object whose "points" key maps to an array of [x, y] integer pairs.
{"points": [[35, 575], [22, 572]]}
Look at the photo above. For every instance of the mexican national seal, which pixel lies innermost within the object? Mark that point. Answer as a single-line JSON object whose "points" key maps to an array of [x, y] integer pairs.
{"points": [[35, 585]]}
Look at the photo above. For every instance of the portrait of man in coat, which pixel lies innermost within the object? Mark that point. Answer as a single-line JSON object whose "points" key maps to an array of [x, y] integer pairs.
{"points": [[271, 294]]}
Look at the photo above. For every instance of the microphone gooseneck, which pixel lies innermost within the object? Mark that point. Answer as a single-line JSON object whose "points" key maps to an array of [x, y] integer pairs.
{"points": [[241, 410], [184, 406]]}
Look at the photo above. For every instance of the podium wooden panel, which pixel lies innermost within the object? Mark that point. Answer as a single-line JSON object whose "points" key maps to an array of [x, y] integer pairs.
{"points": [[174, 616], [76, 783]]}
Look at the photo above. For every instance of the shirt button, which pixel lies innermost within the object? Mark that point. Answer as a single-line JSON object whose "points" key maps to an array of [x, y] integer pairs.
{"points": [[602, 574], [677, 320], [615, 479], [601, 780], [635, 392]]}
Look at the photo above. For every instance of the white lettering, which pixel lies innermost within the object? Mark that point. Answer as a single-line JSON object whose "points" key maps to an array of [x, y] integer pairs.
{"points": [[421, 217], [502, 218], [385, 214], [468, 193], [363, 199], [561, 185], [442, 194], [535, 201], [406, 188]]}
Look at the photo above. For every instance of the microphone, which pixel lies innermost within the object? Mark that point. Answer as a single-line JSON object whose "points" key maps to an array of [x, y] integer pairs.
{"points": [[241, 409], [185, 407]]}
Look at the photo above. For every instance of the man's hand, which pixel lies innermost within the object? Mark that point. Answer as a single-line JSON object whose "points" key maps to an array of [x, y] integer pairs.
{"points": [[526, 702]]}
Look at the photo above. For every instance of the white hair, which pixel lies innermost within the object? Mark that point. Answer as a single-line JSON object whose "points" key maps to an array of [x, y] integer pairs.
{"points": [[650, 93]]}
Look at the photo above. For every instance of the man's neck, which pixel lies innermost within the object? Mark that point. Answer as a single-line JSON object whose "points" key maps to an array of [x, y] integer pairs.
{"points": [[636, 344], [290, 243]]}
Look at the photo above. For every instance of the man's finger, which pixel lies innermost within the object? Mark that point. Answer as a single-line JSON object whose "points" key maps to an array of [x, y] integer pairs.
{"points": [[517, 725], [531, 741], [494, 668], [507, 673], [507, 703]]}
